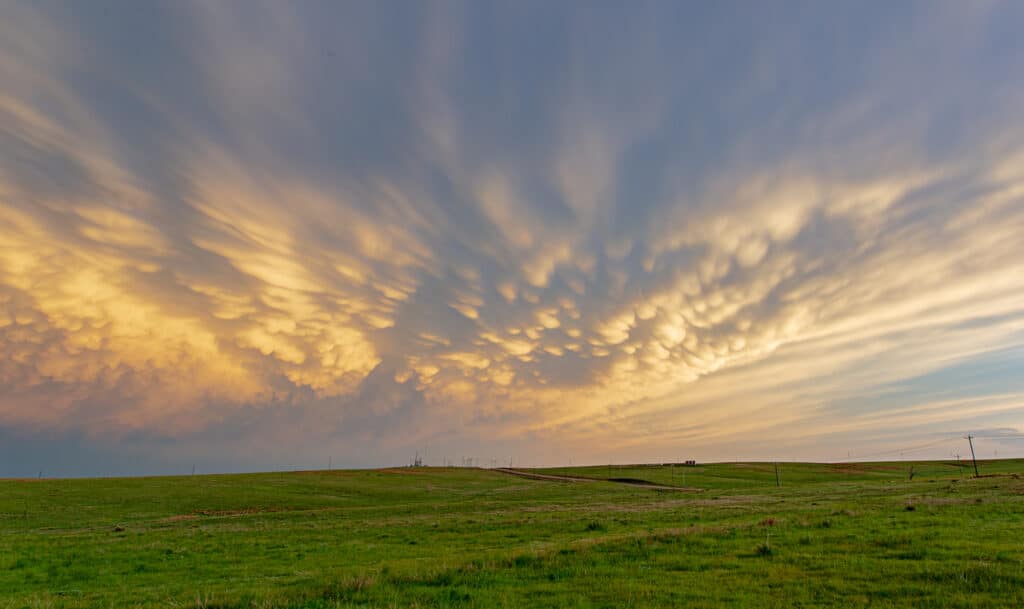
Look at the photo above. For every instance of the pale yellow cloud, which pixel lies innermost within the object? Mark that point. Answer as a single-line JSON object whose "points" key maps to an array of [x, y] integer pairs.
{"points": [[526, 295]]}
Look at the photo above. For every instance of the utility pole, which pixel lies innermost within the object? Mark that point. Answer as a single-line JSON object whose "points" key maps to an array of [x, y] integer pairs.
{"points": [[330, 463], [777, 483], [970, 440]]}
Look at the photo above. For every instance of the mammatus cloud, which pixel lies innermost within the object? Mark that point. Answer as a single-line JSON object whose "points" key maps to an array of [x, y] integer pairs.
{"points": [[250, 228]]}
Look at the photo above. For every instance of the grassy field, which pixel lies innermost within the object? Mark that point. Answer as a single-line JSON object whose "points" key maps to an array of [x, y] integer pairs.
{"points": [[850, 535]]}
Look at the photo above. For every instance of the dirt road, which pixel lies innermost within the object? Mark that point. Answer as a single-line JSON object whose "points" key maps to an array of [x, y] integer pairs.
{"points": [[636, 483]]}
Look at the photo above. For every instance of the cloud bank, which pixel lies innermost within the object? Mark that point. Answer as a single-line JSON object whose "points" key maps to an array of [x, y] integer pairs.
{"points": [[268, 235]]}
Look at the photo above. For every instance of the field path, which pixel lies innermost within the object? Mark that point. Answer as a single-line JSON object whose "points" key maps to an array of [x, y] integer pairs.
{"points": [[554, 478]]}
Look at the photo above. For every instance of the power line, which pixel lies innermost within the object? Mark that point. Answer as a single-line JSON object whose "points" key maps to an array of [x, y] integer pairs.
{"points": [[903, 450]]}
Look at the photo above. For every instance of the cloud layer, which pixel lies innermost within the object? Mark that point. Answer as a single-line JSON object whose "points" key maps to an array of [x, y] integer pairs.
{"points": [[266, 235]]}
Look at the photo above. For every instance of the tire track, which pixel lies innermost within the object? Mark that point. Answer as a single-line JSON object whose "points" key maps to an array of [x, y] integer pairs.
{"points": [[555, 478]]}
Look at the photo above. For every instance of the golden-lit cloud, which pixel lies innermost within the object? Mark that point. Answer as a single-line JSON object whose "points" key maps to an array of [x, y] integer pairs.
{"points": [[600, 276]]}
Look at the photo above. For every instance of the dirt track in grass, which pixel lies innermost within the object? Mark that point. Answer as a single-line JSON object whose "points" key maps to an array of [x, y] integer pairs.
{"points": [[630, 481]]}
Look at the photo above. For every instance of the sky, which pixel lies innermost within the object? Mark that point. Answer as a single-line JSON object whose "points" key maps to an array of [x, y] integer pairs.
{"points": [[250, 236]]}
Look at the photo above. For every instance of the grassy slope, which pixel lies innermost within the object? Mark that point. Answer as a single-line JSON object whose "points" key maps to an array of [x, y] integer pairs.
{"points": [[830, 536]]}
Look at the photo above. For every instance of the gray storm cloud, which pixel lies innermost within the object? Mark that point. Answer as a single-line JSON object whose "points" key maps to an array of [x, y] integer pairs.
{"points": [[392, 227]]}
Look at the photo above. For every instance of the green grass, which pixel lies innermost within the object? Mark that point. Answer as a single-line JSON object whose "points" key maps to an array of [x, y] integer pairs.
{"points": [[830, 536]]}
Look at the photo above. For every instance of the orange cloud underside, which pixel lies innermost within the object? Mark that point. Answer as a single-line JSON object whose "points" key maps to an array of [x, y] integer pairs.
{"points": [[528, 296]]}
